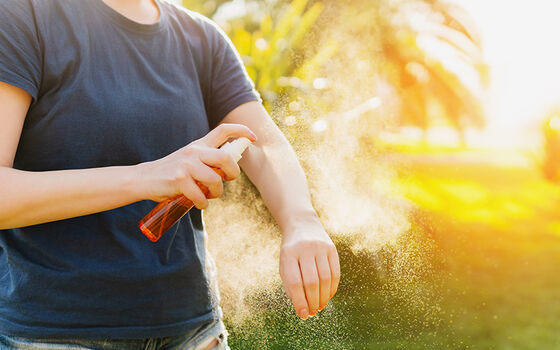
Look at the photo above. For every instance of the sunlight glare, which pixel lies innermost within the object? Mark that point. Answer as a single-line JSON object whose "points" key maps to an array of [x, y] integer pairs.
{"points": [[554, 123]]}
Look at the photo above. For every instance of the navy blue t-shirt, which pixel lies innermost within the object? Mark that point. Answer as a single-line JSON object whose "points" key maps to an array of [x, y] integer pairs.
{"points": [[110, 91]]}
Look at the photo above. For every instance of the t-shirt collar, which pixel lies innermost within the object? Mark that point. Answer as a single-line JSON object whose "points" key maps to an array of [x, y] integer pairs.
{"points": [[129, 24]]}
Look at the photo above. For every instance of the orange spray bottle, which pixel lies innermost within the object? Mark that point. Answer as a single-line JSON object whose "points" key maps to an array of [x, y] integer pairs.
{"points": [[168, 212]]}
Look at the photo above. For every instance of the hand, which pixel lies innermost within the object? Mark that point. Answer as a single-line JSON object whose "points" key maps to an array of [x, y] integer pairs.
{"points": [[309, 268], [179, 172]]}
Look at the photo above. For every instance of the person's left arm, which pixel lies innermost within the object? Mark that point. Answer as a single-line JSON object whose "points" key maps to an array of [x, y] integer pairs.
{"points": [[309, 264]]}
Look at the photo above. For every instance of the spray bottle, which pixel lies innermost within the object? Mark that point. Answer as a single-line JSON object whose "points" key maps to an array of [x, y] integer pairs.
{"points": [[168, 212]]}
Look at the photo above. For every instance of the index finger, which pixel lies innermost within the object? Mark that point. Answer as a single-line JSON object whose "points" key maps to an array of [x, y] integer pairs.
{"points": [[220, 134]]}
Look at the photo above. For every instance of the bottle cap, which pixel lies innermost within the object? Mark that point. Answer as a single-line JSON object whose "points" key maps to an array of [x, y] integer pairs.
{"points": [[236, 147]]}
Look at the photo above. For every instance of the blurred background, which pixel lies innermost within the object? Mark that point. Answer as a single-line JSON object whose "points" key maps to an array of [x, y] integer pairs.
{"points": [[430, 134]]}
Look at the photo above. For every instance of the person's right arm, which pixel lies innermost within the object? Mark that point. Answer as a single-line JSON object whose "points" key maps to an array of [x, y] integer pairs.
{"points": [[29, 198]]}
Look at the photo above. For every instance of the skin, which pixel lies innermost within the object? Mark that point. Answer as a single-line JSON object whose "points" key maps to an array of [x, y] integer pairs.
{"points": [[309, 264]]}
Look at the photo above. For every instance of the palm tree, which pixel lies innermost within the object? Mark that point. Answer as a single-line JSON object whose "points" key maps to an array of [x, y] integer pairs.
{"points": [[432, 56], [434, 50]]}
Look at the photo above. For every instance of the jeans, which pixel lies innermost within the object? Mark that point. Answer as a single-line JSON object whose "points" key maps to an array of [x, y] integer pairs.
{"points": [[199, 339]]}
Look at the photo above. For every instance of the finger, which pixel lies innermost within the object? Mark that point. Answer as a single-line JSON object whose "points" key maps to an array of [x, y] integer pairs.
{"points": [[206, 176], [310, 283], [194, 194], [294, 287], [218, 158], [335, 271], [223, 132], [211, 191], [324, 270]]}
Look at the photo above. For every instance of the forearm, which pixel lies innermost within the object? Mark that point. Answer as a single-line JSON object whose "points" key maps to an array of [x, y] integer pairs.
{"points": [[272, 166], [30, 198]]}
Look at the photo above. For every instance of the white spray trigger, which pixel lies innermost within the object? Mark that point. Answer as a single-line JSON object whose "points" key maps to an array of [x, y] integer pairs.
{"points": [[236, 147]]}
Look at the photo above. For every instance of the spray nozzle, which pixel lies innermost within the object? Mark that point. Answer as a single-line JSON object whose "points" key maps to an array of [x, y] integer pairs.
{"points": [[236, 147]]}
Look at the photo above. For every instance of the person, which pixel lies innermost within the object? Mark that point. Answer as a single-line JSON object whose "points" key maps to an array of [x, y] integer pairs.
{"points": [[107, 106]]}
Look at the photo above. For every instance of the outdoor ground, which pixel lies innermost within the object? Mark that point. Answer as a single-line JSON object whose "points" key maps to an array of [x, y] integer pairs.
{"points": [[479, 269]]}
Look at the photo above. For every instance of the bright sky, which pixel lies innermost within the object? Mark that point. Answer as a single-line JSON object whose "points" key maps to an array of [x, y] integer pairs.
{"points": [[522, 45]]}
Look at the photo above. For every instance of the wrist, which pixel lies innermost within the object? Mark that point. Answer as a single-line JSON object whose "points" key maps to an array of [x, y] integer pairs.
{"points": [[299, 222], [136, 182]]}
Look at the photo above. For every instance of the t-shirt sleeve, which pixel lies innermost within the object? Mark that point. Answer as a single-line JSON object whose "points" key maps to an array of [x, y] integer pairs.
{"points": [[230, 85], [20, 62]]}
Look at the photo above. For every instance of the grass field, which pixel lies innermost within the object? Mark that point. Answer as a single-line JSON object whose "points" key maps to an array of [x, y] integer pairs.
{"points": [[479, 269]]}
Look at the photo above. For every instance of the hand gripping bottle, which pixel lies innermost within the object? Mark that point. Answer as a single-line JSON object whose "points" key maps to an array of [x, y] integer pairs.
{"points": [[168, 212]]}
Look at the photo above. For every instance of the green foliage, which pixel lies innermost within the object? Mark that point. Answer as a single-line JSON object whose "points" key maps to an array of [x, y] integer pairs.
{"points": [[273, 49]]}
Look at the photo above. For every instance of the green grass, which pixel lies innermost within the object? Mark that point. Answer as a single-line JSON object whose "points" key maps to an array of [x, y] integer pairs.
{"points": [[478, 270]]}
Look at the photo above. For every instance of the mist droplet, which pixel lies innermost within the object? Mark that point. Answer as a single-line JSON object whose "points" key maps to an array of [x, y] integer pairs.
{"points": [[319, 126], [320, 83], [294, 106], [290, 120], [261, 44]]}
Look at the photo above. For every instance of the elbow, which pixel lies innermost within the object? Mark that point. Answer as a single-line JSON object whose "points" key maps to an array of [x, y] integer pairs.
{"points": [[11, 217], [7, 223], [8, 217], [4, 225], [8, 212], [4, 214], [6, 220]]}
